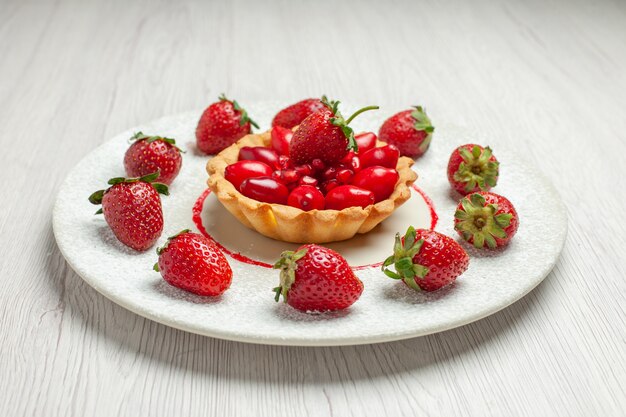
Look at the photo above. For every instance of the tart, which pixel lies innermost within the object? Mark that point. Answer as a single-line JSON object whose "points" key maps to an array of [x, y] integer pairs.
{"points": [[290, 224]]}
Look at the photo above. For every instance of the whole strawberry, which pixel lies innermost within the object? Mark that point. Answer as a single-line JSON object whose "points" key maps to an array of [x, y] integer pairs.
{"points": [[486, 218], [410, 131], [315, 278], [222, 124], [194, 263], [132, 208], [472, 168], [324, 135], [293, 115], [153, 153], [426, 260]]}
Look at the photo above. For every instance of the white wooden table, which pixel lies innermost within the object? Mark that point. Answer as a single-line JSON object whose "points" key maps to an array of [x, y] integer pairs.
{"points": [[548, 78]]}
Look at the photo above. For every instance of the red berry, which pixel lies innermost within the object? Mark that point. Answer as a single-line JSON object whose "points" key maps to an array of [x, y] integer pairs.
{"points": [[261, 154], [385, 156], [132, 208], [410, 130], [472, 168], [286, 176], [265, 189], [306, 197], [294, 115], [486, 218], [346, 196], [194, 263], [379, 180], [305, 169], [329, 185], [344, 175], [329, 173], [315, 278], [149, 154], [365, 141], [356, 164], [306, 180], [221, 125], [284, 162], [318, 165], [280, 140], [426, 260], [242, 170]]}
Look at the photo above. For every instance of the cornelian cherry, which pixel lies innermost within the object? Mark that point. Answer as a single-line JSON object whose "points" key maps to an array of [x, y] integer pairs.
{"points": [[386, 156], [306, 197], [365, 141], [280, 139], [379, 180], [261, 154], [346, 196], [265, 189], [241, 170]]}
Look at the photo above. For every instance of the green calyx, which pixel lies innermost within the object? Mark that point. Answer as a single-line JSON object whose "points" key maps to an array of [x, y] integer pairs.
{"points": [[402, 259], [342, 123], [96, 197], [245, 118], [287, 265], [477, 169], [479, 221], [149, 139], [423, 124], [160, 250]]}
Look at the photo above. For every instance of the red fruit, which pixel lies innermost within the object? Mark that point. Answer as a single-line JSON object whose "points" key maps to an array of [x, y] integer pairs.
{"points": [[426, 260], [242, 170], [315, 278], [385, 156], [194, 263], [284, 162], [149, 154], [305, 169], [324, 135], [306, 197], [329, 185], [306, 180], [344, 175], [410, 130], [318, 165], [294, 115], [286, 176], [329, 173], [132, 208], [485, 217], [346, 196], [379, 180], [356, 164], [261, 154], [222, 124], [265, 189], [472, 168], [281, 137], [365, 141]]}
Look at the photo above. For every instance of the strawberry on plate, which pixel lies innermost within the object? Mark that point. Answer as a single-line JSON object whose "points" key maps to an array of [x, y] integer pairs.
{"points": [[293, 115], [221, 125], [411, 131], [426, 260], [472, 168], [149, 154], [194, 263], [132, 208], [486, 218], [324, 135], [315, 278]]}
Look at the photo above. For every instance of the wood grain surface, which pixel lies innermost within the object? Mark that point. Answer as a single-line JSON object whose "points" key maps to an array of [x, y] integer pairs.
{"points": [[545, 77]]}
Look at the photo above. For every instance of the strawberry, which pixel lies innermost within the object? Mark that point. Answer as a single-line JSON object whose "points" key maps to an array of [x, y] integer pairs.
{"points": [[132, 208], [194, 263], [486, 217], [410, 130], [293, 115], [315, 278], [472, 168], [222, 124], [324, 135], [426, 260], [153, 153]]}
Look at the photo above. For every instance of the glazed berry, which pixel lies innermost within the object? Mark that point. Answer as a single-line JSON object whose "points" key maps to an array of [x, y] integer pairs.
{"points": [[385, 156], [486, 218], [265, 189], [329, 185], [345, 196], [284, 162], [306, 197], [194, 263], [426, 260], [410, 130], [379, 180], [306, 180], [318, 165], [221, 125], [344, 175], [242, 170], [280, 139], [293, 115], [315, 278], [472, 168], [286, 176], [261, 154], [149, 154], [305, 169], [365, 141]]}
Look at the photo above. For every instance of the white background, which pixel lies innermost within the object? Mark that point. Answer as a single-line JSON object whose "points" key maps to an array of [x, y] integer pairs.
{"points": [[546, 78]]}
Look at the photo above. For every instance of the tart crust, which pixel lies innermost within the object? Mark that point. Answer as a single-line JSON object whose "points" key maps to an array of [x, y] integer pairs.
{"points": [[290, 224]]}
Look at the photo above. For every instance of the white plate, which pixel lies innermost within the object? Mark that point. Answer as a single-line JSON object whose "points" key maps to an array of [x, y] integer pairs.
{"points": [[387, 310]]}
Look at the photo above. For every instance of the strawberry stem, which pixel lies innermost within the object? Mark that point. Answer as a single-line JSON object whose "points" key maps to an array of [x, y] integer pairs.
{"points": [[363, 110]]}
